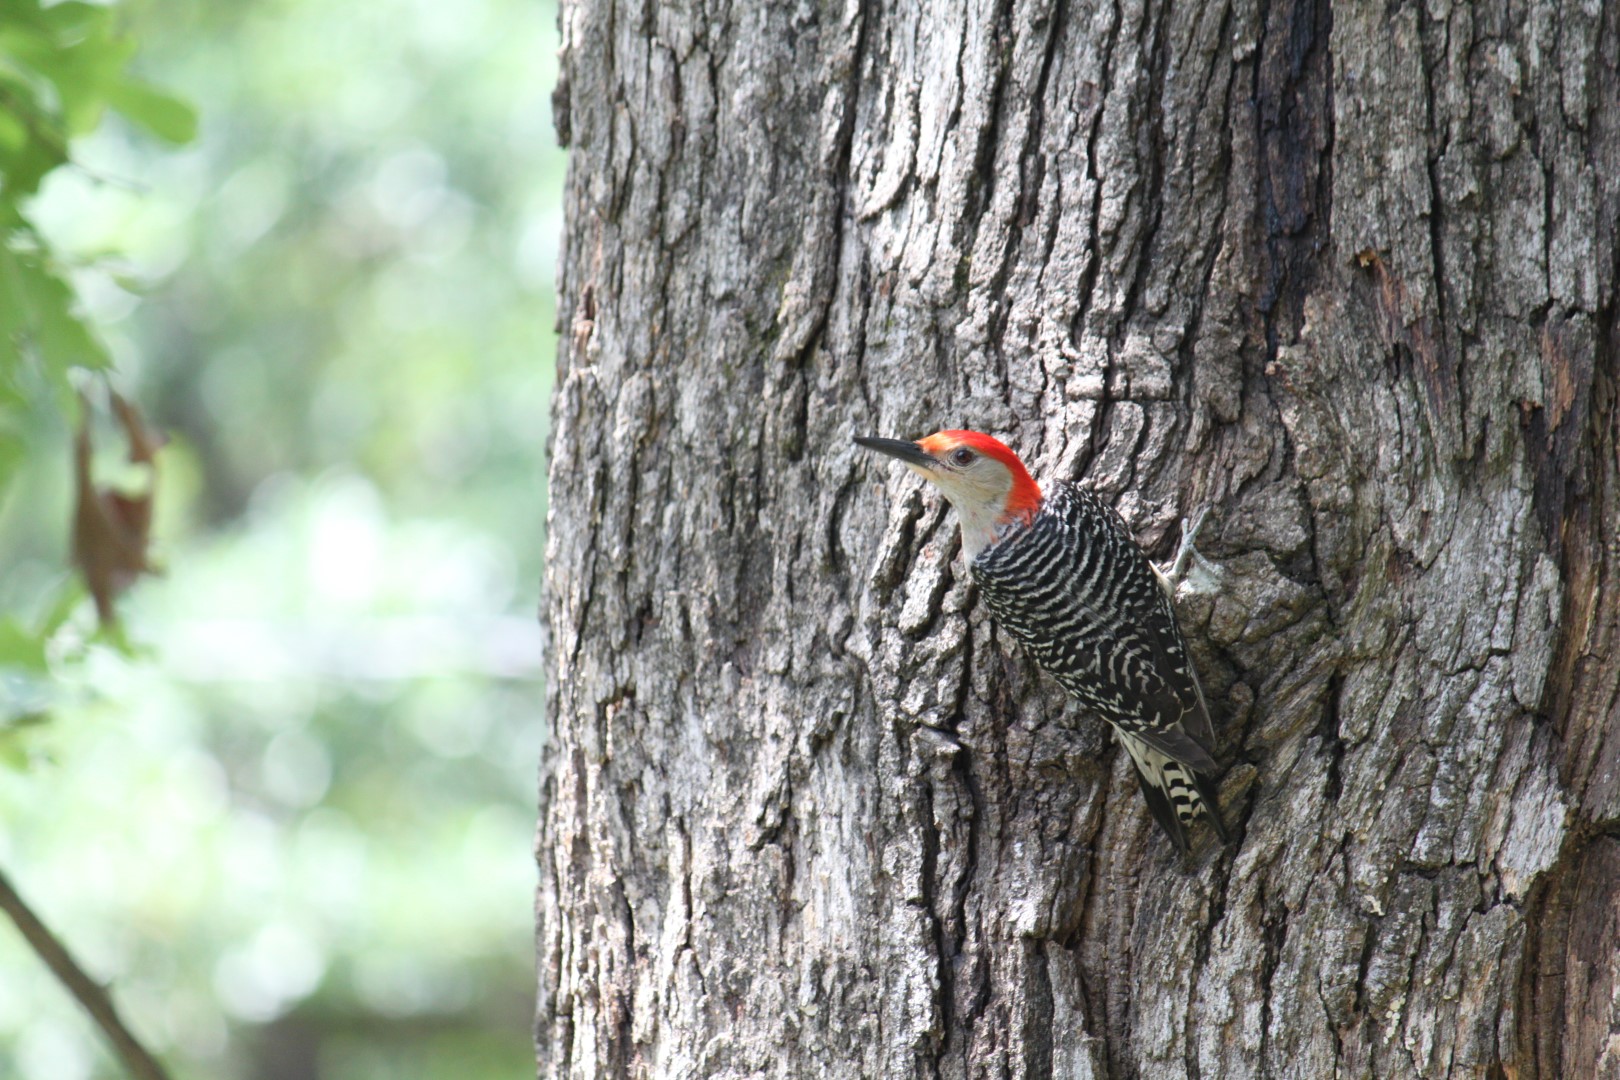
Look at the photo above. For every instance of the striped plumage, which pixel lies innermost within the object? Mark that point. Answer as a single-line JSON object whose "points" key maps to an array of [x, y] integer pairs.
{"points": [[1074, 589], [1062, 574]]}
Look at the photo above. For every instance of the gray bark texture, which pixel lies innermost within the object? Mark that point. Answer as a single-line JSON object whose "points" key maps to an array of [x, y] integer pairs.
{"points": [[1344, 275]]}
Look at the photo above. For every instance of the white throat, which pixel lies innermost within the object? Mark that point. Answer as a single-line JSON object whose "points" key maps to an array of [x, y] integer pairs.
{"points": [[981, 526]]}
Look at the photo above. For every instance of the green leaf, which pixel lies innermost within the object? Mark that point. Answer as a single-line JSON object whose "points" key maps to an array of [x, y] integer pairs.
{"points": [[77, 51], [13, 132], [164, 115], [73, 19], [60, 338], [32, 142], [20, 647]]}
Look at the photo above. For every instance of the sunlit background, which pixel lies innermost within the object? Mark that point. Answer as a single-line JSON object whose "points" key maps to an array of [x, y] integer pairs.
{"points": [[293, 827]]}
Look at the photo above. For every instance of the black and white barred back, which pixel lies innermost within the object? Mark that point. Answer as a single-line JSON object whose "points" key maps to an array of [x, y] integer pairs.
{"points": [[1075, 590]]}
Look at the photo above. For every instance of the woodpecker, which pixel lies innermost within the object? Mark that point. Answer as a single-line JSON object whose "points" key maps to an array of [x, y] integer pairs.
{"points": [[1062, 574]]}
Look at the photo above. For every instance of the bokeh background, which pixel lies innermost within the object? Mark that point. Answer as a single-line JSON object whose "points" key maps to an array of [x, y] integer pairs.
{"points": [[292, 824]]}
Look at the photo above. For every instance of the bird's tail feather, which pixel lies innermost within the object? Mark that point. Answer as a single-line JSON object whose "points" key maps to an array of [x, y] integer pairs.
{"points": [[1175, 793]]}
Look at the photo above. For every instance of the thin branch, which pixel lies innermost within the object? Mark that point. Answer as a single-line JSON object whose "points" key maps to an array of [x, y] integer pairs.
{"points": [[91, 994]]}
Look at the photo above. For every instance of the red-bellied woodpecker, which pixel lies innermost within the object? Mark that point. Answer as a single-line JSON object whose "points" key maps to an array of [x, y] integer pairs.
{"points": [[1061, 573]]}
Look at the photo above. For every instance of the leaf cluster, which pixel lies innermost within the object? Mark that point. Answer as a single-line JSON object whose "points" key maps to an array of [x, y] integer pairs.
{"points": [[63, 67]]}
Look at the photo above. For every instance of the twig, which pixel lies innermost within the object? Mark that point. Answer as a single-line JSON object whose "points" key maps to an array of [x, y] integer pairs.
{"points": [[91, 994]]}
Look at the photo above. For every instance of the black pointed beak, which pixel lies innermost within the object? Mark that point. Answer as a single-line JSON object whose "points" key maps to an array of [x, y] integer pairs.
{"points": [[908, 452]]}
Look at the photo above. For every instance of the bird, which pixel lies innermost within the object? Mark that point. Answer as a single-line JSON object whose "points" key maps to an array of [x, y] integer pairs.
{"points": [[1061, 573]]}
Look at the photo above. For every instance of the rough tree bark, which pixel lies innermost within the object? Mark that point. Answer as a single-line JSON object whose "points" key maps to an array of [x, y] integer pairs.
{"points": [[1343, 273]]}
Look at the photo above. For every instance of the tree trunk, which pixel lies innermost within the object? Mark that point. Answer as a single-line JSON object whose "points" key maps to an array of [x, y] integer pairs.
{"points": [[1343, 274]]}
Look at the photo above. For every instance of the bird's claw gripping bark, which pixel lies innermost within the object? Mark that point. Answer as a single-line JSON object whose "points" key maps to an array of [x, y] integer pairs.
{"points": [[1189, 567]]}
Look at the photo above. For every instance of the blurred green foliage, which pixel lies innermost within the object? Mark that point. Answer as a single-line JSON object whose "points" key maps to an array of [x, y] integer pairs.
{"points": [[294, 828], [62, 67]]}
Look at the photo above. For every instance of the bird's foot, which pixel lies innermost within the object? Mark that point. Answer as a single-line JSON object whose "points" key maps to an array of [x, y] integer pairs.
{"points": [[1189, 567]]}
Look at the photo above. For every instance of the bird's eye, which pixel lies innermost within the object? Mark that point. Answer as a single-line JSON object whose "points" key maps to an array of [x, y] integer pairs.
{"points": [[962, 456]]}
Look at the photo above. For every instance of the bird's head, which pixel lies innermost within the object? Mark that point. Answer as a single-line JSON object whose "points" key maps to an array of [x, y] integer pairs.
{"points": [[982, 478]]}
